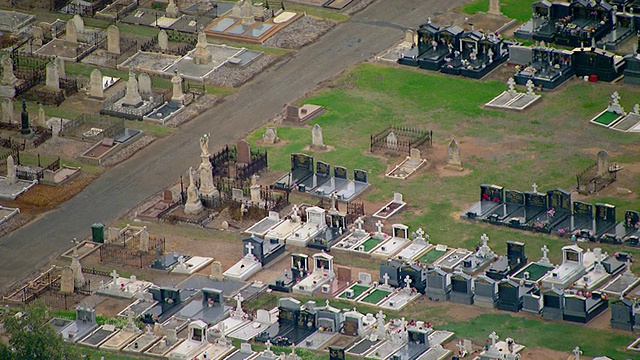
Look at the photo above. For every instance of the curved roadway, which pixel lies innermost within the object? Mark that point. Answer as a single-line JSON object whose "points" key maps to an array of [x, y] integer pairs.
{"points": [[158, 165]]}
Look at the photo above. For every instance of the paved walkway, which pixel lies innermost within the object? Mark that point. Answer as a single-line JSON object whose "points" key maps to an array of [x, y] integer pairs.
{"points": [[160, 164]]}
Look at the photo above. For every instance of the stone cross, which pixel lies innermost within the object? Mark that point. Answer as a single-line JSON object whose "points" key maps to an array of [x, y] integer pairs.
{"points": [[250, 248], [535, 187], [327, 302], [512, 85], [114, 276], [577, 352], [615, 98], [379, 225], [484, 238], [545, 251], [268, 344], [386, 279], [239, 300], [636, 109], [359, 222], [493, 336], [460, 347], [380, 316], [408, 281], [420, 234], [294, 216], [530, 87]]}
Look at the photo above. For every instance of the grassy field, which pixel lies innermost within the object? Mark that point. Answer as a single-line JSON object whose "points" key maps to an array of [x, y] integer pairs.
{"points": [[514, 9]]}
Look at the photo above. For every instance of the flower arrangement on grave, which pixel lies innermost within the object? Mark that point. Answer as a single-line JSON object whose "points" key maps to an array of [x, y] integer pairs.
{"points": [[551, 212], [496, 199], [542, 224], [486, 197], [563, 231]]}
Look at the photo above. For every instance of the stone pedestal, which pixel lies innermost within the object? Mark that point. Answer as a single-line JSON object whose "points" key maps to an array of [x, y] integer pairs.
{"points": [[201, 55], [255, 194], [177, 94], [172, 10], [193, 207], [132, 96], [207, 188]]}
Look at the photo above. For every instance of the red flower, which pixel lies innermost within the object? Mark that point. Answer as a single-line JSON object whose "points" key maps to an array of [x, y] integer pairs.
{"points": [[485, 197], [495, 199]]}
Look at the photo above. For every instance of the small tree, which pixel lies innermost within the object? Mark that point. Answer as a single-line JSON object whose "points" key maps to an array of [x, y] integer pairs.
{"points": [[29, 338]]}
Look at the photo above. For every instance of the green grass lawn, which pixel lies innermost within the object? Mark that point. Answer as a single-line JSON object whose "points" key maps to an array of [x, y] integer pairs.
{"points": [[536, 271], [370, 244], [515, 9], [606, 118], [357, 290], [431, 256], [375, 296]]}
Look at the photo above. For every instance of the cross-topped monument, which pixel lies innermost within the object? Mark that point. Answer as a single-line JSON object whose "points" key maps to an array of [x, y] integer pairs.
{"points": [[493, 336], [577, 352], [420, 234], [250, 248], [545, 251], [535, 187], [408, 281], [359, 222], [379, 226], [385, 277], [239, 299], [484, 238]]}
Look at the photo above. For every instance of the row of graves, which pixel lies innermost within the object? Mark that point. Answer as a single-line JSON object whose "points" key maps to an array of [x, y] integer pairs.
{"points": [[316, 178], [241, 22], [579, 21], [452, 50], [614, 117], [554, 213], [549, 67], [314, 327]]}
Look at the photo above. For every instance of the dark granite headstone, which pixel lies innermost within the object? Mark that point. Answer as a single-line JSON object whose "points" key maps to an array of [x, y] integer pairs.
{"points": [[553, 304], [559, 200], [622, 314], [323, 170], [509, 296], [360, 176], [302, 161], [461, 292], [340, 172], [391, 268], [336, 353]]}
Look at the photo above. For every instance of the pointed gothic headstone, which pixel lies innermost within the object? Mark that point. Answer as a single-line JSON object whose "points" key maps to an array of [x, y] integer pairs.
{"points": [[453, 156]]}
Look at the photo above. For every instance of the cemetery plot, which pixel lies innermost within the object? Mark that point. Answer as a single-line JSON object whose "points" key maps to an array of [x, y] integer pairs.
{"points": [[400, 139], [514, 201], [391, 208], [453, 259], [511, 99], [547, 67], [369, 245], [375, 296], [352, 241], [408, 166], [431, 256], [532, 273], [629, 123], [621, 285], [606, 118], [353, 292], [491, 196]]}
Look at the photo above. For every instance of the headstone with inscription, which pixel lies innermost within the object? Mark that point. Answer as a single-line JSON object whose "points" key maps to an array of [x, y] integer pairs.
{"points": [[95, 84], [244, 152], [113, 39]]}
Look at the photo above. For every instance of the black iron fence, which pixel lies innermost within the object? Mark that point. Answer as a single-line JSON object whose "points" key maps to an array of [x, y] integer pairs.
{"points": [[403, 139]]}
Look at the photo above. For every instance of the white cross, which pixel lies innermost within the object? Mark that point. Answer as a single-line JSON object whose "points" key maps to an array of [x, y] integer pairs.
{"points": [[577, 352], [295, 210], [545, 251], [493, 336], [380, 316], [408, 281], [250, 248], [222, 329], [114, 275], [420, 233], [359, 222], [239, 300], [386, 279], [484, 239], [535, 187], [268, 343], [379, 225], [327, 302], [460, 347]]}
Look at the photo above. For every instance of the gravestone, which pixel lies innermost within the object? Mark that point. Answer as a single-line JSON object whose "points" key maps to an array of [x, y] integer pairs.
{"points": [[144, 83], [453, 155], [95, 85], [392, 141], [292, 113], [244, 152], [72, 31], [193, 205], [615, 106], [415, 155], [317, 140], [132, 96], [364, 278], [202, 55], [167, 196], [163, 40], [66, 280], [42, 119], [409, 37], [62, 73], [38, 35], [255, 190], [11, 177], [216, 271], [237, 194], [8, 77], [172, 10], [79, 22], [603, 163], [53, 77], [144, 240], [270, 135], [25, 128], [494, 7], [176, 82], [113, 39], [7, 110]]}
